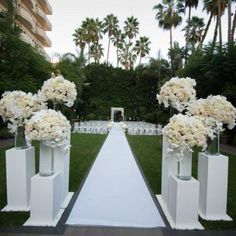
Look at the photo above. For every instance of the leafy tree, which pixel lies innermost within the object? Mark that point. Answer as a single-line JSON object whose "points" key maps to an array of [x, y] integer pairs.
{"points": [[176, 55], [142, 47], [169, 15], [21, 66], [195, 31], [111, 26], [190, 4]]}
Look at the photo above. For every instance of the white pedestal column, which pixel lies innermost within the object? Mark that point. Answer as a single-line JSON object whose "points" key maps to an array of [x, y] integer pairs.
{"points": [[169, 167], [213, 178], [183, 203], [45, 201], [62, 166], [20, 167]]}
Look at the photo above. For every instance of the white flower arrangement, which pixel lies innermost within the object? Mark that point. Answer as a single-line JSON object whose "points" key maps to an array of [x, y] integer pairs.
{"points": [[185, 132], [59, 90], [17, 106], [177, 92], [110, 125], [216, 110], [51, 127], [123, 126]]}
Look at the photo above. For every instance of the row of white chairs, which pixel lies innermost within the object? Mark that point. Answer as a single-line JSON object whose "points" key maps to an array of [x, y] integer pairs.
{"points": [[91, 127], [133, 128]]}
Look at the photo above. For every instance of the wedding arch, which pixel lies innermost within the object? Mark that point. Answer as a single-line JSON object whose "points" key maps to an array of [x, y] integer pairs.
{"points": [[117, 114]]}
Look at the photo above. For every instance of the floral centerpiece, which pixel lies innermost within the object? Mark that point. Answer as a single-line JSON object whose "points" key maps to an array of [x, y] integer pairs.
{"points": [[51, 127], [215, 107], [214, 111], [16, 107], [124, 126], [185, 132], [110, 125], [177, 92], [59, 90]]}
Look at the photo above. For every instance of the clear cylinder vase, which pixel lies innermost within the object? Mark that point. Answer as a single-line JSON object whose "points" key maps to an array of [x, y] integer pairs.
{"points": [[20, 139], [213, 146], [184, 168], [46, 160]]}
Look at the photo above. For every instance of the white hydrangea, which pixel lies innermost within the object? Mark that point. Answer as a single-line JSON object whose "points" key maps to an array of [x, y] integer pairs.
{"points": [[110, 125], [185, 132], [59, 90], [17, 106], [123, 126], [216, 110], [49, 126], [177, 92]]}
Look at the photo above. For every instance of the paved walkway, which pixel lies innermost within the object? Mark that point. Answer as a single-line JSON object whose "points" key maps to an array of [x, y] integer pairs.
{"points": [[114, 193]]}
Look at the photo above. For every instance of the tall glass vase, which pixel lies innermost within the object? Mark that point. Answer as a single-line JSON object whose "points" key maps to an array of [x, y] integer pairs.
{"points": [[20, 139], [184, 168], [213, 146], [46, 160]]}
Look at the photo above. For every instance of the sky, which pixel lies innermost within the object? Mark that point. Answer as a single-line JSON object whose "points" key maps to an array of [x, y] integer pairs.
{"points": [[68, 15]]}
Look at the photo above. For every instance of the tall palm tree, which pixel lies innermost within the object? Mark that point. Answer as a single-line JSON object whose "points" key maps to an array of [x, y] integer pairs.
{"points": [[176, 54], [131, 27], [98, 30], [195, 31], [110, 26], [90, 26], [97, 52], [118, 40], [190, 4], [142, 47], [169, 15], [80, 38], [216, 8]]}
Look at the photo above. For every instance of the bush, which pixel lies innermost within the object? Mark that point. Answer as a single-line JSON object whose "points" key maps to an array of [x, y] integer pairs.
{"points": [[91, 116], [4, 133]]}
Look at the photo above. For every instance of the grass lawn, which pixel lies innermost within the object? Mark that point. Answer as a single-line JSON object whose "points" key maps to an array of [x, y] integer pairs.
{"points": [[147, 149], [85, 148]]}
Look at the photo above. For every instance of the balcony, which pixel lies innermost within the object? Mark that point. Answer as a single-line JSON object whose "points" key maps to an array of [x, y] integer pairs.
{"points": [[29, 4], [42, 37], [42, 18], [46, 6], [25, 18]]}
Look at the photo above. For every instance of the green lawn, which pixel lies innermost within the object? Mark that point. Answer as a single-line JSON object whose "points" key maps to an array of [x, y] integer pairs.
{"points": [[147, 149], [85, 148]]}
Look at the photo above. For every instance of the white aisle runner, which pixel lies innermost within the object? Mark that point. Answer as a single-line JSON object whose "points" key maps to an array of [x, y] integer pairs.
{"points": [[114, 193]]}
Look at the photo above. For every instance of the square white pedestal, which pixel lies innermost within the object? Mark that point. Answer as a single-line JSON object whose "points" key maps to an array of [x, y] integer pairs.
{"points": [[62, 166], [213, 178], [20, 167], [169, 167], [182, 211], [45, 201]]}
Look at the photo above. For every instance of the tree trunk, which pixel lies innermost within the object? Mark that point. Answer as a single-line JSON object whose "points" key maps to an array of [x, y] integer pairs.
{"points": [[187, 32], [171, 59], [108, 49], [215, 36], [117, 56], [206, 30], [88, 53], [140, 60], [219, 24], [233, 27], [229, 21], [171, 38]]}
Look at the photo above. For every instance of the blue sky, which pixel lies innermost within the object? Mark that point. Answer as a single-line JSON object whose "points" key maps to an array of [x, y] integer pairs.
{"points": [[68, 15]]}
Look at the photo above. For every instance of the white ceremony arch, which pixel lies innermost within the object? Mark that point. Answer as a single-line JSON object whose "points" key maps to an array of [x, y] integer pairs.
{"points": [[115, 109]]}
